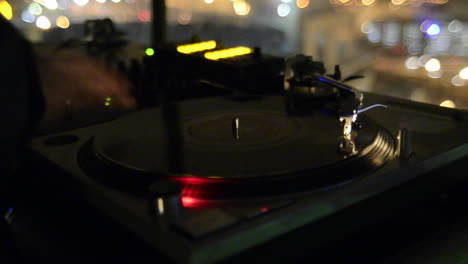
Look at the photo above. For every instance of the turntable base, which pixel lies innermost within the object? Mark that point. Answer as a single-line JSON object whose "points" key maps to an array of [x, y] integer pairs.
{"points": [[189, 228]]}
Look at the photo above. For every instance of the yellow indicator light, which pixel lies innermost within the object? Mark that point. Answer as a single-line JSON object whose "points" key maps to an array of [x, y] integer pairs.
{"points": [[108, 101], [196, 47], [6, 10], [228, 53], [149, 51]]}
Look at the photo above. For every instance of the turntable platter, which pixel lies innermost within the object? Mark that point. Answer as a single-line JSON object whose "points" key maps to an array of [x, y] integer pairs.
{"points": [[267, 144]]}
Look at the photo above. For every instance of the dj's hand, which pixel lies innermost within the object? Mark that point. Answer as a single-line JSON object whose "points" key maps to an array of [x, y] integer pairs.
{"points": [[78, 88]]}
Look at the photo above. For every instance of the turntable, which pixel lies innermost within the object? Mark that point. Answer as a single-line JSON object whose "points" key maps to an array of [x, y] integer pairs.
{"points": [[230, 177]]}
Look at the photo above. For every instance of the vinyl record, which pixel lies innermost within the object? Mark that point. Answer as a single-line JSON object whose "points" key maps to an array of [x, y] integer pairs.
{"points": [[244, 148]]}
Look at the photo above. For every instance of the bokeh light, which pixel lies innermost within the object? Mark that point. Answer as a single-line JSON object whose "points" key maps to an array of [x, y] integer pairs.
{"points": [[412, 63], [430, 28], [209, 1], [81, 2], [27, 17], [302, 3], [241, 7], [448, 103], [62, 22], [374, 36], [184, 18], [455, 26], [144, 15], [433, 30], [464, 73], [368, 2], [35, 9], [6, 10], [43, 22], [367, 27], [283, 9], [50, 4], [457, 81], [432, 65], [149, 51], [434, 74], [398, 2]]}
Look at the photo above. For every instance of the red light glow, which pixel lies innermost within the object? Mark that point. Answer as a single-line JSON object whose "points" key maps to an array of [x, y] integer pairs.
{"points": [[190, 202], [194, 190], [187, 201], [264, 209], [144, 15], [197, 180]]}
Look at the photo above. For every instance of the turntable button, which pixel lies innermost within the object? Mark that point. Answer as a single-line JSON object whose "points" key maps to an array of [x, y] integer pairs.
{"points": [[205, 223]]}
